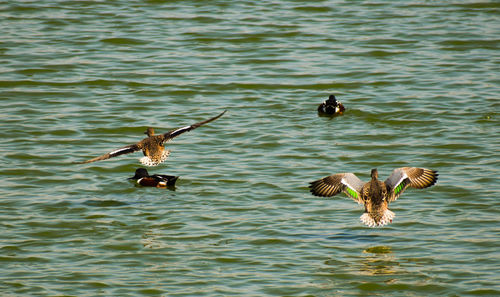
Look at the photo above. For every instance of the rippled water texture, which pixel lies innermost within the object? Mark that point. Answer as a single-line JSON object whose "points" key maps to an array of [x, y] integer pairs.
{"points": [[78, 79]]}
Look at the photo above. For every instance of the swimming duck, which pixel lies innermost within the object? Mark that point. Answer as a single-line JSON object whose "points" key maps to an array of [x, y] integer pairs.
{"points": [[153, 146], [375, 194], [331, 106], [143, 178]]}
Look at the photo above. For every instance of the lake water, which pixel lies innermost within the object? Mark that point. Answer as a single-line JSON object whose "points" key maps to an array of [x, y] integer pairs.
{"points": [[419, 79]]}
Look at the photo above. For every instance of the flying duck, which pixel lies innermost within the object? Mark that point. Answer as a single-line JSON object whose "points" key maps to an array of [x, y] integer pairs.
{"points": [[153, 146], [375, 194]]}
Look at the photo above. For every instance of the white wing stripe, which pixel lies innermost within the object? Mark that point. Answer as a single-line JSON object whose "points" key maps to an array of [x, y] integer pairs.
{"points": [[403, 177], [344, 182], [180, 129], [119, 150]]}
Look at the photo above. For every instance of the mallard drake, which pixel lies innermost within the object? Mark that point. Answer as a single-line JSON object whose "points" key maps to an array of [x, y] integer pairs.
{"points": [[331, 106], [375, 195], [143, 178], [153, 146]]}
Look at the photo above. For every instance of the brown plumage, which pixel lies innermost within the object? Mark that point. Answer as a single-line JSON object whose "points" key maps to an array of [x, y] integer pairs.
{"points": [[375, 195], [153, 146]]}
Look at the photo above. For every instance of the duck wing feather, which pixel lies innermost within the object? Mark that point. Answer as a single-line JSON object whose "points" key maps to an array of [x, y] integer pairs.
{"points": [[331, 185], [118, 152], [176, 132], [404, 177]]}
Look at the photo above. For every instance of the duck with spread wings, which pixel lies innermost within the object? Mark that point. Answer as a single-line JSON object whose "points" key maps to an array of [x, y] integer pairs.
{"points": [[375, 195], [153, 146]]}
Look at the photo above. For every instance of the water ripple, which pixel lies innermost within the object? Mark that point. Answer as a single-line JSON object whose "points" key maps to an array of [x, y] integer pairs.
{"points": [[81, 78]]}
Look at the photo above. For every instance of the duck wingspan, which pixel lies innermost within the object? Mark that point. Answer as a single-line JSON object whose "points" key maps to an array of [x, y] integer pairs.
{"points": [[121, 151], [404, 177], [331, 185], [176, 132]]}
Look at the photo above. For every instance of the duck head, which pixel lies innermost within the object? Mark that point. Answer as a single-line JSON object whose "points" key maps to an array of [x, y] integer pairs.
{"points": [[332, 100], [140, 173], [150, 131]]}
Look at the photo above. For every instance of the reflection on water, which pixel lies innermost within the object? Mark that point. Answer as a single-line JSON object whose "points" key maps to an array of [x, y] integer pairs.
{"points": [[150, 239], [373, 269], [379, 260]]}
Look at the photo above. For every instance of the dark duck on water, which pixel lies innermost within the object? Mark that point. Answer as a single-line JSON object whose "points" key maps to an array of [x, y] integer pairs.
{"points": [[331, 107], [143, 178]]}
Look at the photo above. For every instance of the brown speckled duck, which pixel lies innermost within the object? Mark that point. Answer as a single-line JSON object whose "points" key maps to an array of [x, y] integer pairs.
{"points": [[375, 195], [153, 147]]}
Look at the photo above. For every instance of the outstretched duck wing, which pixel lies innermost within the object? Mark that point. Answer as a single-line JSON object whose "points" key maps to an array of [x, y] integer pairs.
{"points": [[404, 177], [331, 185], [118, 152], [176, 132]]}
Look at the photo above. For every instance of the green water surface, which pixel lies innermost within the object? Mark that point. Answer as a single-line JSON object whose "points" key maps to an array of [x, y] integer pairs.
{"points": [[420, 82]]}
